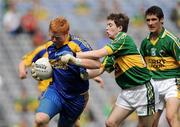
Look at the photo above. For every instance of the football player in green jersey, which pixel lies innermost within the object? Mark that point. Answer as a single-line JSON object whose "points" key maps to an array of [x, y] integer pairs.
{"points": [[131, 74], [161, 51]]}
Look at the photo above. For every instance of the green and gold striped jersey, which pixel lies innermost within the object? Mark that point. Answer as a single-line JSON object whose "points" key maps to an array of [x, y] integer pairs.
{"points": [[162, 55], [125, 59]]}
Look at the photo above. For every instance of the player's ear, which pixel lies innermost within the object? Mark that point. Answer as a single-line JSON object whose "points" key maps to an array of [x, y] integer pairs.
{"points": [[120, 28], [162, 20]]}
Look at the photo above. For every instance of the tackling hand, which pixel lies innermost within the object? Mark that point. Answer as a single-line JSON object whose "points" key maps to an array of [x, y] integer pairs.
{"points": [[68, 58]]}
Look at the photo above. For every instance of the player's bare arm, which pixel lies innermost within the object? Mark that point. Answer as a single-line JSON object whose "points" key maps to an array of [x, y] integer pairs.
{"points": [[95, 54], [87, 63], [22, 70], [99, 80]]}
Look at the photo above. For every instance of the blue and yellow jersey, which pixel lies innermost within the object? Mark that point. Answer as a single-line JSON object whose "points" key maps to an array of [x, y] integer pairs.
{"points": [[31, 57], [162, 55], [66, 79]]}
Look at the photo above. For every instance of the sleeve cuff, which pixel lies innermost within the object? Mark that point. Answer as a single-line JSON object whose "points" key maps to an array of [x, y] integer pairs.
{"points": [[109, 50]]}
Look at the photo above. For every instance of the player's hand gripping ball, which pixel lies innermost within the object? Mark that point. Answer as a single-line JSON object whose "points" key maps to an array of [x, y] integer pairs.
{"points": [[41, 69]]}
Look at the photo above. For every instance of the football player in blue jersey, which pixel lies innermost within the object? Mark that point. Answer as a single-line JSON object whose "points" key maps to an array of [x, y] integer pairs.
{"points": [[67, 94]]}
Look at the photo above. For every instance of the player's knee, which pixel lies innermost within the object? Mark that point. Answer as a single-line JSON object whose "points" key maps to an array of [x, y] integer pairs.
{"points": [[110, 123], [41, 119]]}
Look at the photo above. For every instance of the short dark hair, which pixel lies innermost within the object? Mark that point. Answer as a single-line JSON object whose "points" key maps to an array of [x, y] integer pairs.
{"points": [[120, 20], [155, 10]]}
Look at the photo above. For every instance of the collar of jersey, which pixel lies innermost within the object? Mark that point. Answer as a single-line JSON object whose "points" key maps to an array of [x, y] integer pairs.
{"points": [[120, 35], [161, 35]]}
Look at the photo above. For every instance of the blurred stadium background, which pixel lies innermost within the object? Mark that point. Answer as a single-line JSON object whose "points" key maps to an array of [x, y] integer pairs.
{"points": [[18, 99]]}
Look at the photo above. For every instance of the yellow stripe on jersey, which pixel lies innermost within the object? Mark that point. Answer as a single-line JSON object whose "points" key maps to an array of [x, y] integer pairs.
{"points": [[129, 61], [49, 43], [159, 63], [27, 59], [109, 50], [174, 38], [74, 47], [104, 61], [42, 85]]}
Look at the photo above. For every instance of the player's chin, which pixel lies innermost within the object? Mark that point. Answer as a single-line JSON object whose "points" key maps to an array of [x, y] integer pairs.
{"points": [[152, 30], [109, 35], [55, 42]]}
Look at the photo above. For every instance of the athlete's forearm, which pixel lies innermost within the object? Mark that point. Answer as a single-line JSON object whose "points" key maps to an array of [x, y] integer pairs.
{"points": [[92, 73], [89, 64], [95, 54], [22, 70]]}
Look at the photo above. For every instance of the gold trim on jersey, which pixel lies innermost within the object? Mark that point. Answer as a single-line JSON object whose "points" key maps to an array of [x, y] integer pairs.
{"points": [[42, 86], [74, 47], [127, 62], [109, 50], [153, 42], [174, 38], [27, 58], [159, 63], [49, 43]]}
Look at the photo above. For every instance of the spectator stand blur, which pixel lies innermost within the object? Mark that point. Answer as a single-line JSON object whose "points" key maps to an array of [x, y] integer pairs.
{"points": [[39, 11], [109, 105], [116, 6], [87, 117], [1, 82], [82, 7], [32, 21], [175, 15], [5, 4], [138, 18], [29, 22], [38, 38], [18, 20], [11, 20], [25, 103], [102, 11], [102, 41]]}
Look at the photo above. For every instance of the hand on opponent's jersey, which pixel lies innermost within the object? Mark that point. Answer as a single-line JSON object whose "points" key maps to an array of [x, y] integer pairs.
{"points": [[68, 58]]}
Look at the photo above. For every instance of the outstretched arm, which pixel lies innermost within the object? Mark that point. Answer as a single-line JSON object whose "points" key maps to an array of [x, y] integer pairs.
{"points": [[95, 54], [87, 63], [22, 70], [94, 74]]}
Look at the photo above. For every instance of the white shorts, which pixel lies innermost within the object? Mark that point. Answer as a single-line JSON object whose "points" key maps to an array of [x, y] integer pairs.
{"points": [[144, 99], [167, 88]]}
